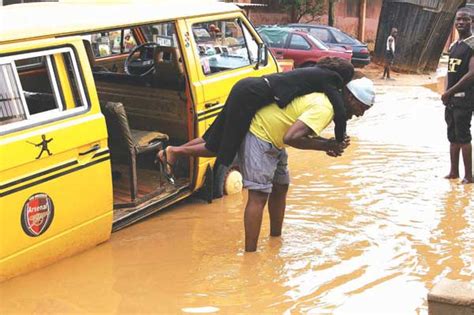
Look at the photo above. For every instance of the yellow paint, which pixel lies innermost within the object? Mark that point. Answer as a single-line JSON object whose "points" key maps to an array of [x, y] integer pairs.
{"points": [[64, 79], [46, 20], [80, 186]]}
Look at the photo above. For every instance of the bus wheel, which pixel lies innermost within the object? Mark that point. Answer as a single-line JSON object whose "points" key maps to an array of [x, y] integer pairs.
{"points": [[220, 172], [226, 181]]}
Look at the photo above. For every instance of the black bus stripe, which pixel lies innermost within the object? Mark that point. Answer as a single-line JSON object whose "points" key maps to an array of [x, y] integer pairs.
{"points": [[53, 177], [46, 172], [211, 110], [101, 153], [207, 117], [51, 170]]}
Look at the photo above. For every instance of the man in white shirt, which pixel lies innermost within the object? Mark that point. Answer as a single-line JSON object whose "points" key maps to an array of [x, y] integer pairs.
{"points": [[389, 54]]}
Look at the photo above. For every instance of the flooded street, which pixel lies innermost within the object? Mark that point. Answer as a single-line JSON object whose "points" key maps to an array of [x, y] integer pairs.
{"points": [[367, 233]]}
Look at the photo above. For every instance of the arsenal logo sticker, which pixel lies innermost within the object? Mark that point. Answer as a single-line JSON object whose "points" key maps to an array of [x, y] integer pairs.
{"points": [[37, 214]]}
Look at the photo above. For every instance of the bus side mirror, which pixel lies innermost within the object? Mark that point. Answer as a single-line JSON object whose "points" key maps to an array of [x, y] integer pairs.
{"points": [[262, 55]]}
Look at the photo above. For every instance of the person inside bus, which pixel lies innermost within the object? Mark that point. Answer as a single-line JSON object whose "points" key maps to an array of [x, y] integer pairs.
{"points": [[224, 136]]}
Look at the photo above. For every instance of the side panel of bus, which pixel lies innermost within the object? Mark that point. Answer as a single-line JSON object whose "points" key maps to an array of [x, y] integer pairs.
{"points": [[55, 179]]}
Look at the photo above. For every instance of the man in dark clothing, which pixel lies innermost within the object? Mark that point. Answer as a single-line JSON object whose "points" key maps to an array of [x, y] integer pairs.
{"points": [[459, 96]]}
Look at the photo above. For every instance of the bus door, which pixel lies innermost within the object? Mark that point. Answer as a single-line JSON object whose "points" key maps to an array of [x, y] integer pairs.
{"points": [[226, 50]]}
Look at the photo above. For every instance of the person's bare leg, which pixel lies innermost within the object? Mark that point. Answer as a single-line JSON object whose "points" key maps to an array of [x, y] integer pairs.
{"points": [[454, 149], [193, 142], [172, 153], [253, 218], [276, 208], [466, 150]]}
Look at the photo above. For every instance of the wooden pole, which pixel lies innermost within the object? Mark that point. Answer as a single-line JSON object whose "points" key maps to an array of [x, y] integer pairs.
{"points": [[362, 17]]}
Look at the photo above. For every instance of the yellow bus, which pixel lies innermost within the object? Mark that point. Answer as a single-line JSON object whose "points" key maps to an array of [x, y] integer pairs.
{"points": [[88, 94]]}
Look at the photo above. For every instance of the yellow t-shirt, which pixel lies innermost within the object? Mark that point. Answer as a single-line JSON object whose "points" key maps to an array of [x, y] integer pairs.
{"points": [[271, 122]]}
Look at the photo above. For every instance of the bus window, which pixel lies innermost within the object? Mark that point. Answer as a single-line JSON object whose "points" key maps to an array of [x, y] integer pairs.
{"points": [[224, 45], [111, 43], [11, 107], [39, 86], [163, 34]]}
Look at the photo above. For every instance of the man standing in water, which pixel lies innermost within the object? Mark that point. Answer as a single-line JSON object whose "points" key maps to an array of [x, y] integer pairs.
{"points": [[459, 96], [263, 158], [389, 53]]}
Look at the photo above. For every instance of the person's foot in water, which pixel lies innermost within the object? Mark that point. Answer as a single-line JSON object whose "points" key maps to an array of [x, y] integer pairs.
{"points": [[452, 176]]}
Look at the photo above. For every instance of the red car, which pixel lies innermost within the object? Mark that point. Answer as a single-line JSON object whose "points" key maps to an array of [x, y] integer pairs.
{"points": [[300, 46]]}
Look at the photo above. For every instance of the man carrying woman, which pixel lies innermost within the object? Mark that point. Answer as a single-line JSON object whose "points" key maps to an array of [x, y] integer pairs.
{"points": [[225, 135]]}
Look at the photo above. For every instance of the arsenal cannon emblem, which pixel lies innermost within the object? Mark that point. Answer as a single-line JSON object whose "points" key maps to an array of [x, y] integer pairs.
{"points": [[37, 214]]}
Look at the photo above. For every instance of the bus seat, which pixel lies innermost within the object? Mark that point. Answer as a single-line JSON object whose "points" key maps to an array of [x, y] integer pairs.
{"points": [[126, 143]]}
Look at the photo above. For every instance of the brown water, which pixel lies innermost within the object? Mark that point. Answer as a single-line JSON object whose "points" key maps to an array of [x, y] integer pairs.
{"points": [[367, 233]]}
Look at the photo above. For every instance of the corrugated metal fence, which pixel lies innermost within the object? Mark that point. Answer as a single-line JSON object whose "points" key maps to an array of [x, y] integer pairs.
{"points": [[423, 29]]}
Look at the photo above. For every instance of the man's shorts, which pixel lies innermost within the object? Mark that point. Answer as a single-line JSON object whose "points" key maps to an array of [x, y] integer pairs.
{"points": [[262, 164], [459, 124], [389, 56]]}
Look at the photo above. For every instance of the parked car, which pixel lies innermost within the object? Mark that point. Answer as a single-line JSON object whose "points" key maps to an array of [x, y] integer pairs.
{"points": [[334, 37], [300, 46]]}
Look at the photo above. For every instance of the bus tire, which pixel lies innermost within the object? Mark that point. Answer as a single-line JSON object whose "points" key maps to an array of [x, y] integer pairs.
{"points": [[220, 172]]}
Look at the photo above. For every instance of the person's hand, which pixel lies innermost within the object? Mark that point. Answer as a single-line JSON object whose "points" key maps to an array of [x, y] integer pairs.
{"points": [[335, 148], [446, 97]]}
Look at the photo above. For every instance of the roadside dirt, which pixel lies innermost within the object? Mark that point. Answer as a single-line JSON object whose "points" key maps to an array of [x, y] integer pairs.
{"points": [[374, 72]]}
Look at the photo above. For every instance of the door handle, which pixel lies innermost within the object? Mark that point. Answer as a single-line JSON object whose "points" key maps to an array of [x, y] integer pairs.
{"points": [[92, 149], [209, 105]]}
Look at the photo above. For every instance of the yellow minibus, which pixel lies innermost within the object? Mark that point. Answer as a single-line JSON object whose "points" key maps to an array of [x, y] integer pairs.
{"points": [[88, 94]]}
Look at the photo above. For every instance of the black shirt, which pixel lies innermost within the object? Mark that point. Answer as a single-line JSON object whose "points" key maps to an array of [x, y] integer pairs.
{"points": [[460, 53], [286, 86]]}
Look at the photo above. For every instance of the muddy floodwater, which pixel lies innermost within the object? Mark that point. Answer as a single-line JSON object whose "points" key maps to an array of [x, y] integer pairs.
{"points": [[367, 233]]}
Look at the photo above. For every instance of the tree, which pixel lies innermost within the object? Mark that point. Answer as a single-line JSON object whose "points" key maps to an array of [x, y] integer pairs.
{"points": [[331, 18], [300, 8]]}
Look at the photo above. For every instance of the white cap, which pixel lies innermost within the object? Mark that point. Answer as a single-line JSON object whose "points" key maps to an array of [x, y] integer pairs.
{"points": [[363, 90]]}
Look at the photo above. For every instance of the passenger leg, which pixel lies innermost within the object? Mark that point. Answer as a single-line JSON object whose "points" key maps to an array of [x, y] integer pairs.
{"points": [[199, 149], [193, 142]]}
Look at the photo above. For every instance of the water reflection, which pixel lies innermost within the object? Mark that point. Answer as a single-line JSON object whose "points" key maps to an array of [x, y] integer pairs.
{"points": [[367, 233]]}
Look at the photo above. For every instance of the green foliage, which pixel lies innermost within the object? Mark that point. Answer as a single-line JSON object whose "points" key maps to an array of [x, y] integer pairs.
{"points": [[299, 8]]}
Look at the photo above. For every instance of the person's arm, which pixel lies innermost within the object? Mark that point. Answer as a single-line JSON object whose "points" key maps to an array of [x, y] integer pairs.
{"points": [[340, 117], [466, 81], [297, 137]]}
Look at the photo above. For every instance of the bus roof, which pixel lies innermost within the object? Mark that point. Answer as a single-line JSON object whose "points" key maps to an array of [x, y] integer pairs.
{"points": [[20, 22]]}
